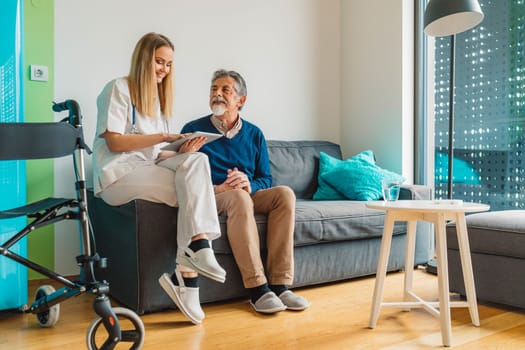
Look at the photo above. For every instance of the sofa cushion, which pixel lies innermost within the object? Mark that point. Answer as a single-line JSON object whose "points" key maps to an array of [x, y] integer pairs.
{"points": [[324, 190], [331, 221], [327, 191], [322, 222], [359, 178], [496, 232], [296, 164]]}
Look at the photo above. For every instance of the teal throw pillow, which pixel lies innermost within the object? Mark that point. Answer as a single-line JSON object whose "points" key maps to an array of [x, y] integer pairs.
{"points": [[359, 179], [328, 163]]}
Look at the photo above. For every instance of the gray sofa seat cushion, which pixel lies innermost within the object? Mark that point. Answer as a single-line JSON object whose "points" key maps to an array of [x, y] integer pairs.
{"points": [[332, 221], [498, 233], [323, 221]]}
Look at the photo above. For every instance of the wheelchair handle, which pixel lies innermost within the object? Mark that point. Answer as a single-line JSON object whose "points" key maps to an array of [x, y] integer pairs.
{"points": [[74, 110]]}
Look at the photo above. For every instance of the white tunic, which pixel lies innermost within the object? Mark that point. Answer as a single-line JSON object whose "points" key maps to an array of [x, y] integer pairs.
{"points": [[115, 114]]}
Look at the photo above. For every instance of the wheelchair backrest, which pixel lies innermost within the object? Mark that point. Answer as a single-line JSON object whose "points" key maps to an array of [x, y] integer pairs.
{"points": [[38, 140]]}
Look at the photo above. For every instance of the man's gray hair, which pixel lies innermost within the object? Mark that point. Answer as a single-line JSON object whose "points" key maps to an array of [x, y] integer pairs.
{"points": [[240, 84]]}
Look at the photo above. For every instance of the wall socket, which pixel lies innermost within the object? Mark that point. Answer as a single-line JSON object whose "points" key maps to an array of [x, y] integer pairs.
{"points": [[38, 73]]}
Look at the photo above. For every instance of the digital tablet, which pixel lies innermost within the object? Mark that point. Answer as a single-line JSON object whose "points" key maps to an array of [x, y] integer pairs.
{"points": [[175, 145]]}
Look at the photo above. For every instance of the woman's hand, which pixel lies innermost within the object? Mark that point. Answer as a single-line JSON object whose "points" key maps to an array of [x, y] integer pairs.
{"points": [[175, 137], [192, 145], [171, 138]]}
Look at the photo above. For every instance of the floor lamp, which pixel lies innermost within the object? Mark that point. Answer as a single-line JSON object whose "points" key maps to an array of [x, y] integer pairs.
{"points": [[448, 18]]}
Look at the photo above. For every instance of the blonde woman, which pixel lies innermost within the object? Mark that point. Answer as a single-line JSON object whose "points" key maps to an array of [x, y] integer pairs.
{"points": [[128, 164]]}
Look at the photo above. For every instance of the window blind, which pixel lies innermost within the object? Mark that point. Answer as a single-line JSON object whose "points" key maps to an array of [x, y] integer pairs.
{"points": [[489, 117]]}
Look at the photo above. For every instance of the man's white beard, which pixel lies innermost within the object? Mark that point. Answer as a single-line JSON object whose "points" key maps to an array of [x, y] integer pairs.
{"points": [[218, 109]]}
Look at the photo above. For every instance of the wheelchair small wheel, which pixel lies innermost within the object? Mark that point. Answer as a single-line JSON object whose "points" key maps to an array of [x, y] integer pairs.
{"points": [[49, 317], [131, 327]]}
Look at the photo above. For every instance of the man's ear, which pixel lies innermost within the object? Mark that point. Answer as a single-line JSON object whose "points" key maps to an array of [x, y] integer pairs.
{"points": [[242, 100]]}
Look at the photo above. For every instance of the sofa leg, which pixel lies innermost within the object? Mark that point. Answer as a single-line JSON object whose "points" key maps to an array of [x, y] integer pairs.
{"points": [[431, 266]]}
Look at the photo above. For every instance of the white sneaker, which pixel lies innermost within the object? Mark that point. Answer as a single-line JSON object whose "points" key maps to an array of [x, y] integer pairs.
{"points": [[186, 298], [203, 261]]}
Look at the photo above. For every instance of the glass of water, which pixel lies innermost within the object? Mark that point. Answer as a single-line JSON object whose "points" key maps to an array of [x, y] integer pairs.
{"points": [[390, 190]]}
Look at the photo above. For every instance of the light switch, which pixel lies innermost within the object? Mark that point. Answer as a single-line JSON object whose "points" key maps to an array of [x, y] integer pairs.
{"points": [[38, 73]]}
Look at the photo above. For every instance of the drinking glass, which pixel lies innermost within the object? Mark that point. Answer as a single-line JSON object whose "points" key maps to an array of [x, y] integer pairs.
{"points": [[390, 190]]}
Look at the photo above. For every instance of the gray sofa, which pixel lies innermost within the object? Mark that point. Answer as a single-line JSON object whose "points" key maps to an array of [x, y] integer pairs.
{"points": [[497, 242], [333, 240]]}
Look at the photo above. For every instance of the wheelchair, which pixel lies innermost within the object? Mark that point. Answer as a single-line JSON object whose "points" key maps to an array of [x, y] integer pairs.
{"points": [[22, 141]]}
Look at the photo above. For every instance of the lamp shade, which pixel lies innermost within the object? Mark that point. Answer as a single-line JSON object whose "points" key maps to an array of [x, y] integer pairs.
{"points": [[448, 17]]}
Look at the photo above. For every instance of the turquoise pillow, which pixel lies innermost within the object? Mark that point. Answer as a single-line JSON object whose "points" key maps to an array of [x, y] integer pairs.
{"points": [[359, 179], [326, 164]]}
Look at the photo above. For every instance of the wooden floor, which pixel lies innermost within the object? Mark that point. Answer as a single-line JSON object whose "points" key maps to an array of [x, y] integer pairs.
{"points": [[337, 319]]}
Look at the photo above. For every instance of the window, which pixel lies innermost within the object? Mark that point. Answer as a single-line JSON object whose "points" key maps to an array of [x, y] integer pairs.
{"points": [[489, 117]]}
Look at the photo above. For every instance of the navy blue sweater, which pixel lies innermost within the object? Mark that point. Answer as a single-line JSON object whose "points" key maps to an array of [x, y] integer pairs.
{"points": [[247, 151]]}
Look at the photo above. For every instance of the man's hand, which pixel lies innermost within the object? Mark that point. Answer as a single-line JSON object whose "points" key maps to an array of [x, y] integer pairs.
{"points": [[235, 180]]}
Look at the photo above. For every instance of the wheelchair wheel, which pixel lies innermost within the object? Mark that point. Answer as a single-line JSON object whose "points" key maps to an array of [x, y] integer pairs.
{"points": [[131, 327], [49, 317]]}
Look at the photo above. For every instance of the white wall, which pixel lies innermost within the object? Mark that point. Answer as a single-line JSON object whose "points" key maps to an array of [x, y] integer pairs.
{"points": [[377, 81], [287, 50]]}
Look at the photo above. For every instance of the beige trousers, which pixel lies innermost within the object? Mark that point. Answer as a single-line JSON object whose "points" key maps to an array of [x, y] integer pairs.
{"points": [[279, 205]]}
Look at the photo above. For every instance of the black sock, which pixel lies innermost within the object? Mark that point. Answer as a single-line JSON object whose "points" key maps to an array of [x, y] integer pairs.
{"points": [[199, 244], [257, 292], [192, 282], [278, 288]]}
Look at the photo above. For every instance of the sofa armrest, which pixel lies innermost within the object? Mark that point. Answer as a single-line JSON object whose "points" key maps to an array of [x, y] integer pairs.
{"points": [[415, 192]]}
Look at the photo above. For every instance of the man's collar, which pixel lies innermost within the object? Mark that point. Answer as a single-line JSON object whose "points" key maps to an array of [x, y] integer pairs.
{"points": [[223, 128]]}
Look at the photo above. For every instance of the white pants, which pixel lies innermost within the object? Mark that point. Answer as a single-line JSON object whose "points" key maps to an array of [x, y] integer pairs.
{"points": [[183, 181]]}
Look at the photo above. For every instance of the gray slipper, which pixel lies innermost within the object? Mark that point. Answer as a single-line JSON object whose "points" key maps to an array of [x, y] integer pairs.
{"points": [[268, 303], [293, 301]]}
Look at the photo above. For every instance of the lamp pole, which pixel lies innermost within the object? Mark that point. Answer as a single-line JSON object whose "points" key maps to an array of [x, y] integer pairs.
{"points": [[444, 18], [448, 18], [451, 116]]}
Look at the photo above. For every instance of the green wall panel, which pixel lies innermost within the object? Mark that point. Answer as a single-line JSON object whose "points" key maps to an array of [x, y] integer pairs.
{"points": [[39, 50]]}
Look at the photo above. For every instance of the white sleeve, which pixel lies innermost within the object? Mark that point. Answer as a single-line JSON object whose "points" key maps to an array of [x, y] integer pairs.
{"points": [[114, 106]]}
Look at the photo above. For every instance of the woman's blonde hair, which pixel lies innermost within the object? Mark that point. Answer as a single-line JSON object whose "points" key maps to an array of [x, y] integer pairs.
{"points": [[142, 81]]}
